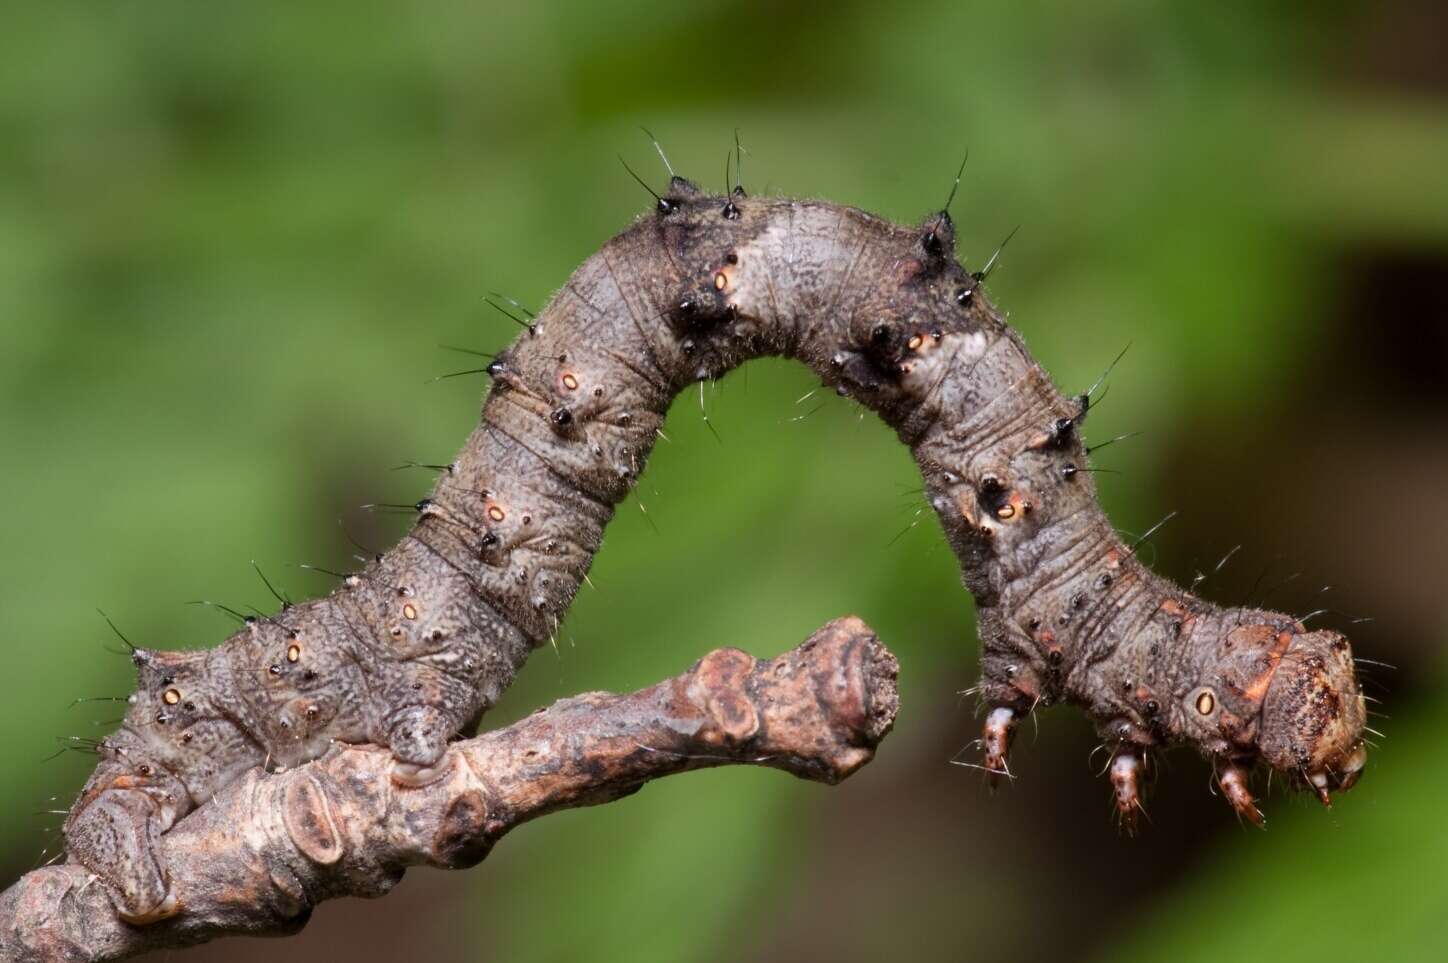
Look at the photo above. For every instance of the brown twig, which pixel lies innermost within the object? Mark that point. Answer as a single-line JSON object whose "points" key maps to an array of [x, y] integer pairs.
{"points": [[258, 858]]}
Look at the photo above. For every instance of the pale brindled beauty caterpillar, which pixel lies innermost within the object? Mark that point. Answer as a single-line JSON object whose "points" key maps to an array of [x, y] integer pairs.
{"points": [[409, 652]]}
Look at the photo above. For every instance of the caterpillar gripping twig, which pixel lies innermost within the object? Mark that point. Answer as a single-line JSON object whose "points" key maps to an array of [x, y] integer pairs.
{"points": [[262, 855], [409, 652]]}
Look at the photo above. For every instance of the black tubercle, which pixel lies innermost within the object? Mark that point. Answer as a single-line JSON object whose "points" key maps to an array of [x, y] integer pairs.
{"points": [[992, 494], [700, 312], [938, 235], [882, 353], [1060, 435], [681, 190]]}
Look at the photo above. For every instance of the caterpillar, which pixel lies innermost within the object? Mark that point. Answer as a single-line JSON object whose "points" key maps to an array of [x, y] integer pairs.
{"points": [[411, 650]]}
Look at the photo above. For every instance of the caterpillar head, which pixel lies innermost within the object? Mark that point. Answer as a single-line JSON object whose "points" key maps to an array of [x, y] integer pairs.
{"points": [[1287, 697], [1313, 714]]}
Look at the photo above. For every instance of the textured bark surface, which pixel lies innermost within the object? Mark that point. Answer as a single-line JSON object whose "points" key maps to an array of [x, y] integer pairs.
{"points": [[412, 650], [271, 847]]}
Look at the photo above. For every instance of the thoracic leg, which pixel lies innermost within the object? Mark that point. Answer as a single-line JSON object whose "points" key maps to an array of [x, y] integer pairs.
{"points": [[1125, 771], [433, 708], [1000, 725], [1233, 780], [418, 738]]}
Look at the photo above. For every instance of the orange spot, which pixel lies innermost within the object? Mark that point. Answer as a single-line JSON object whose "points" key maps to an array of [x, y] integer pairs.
{"points": [[570, 381], [294, 652], [1015, 505], [496, 513], [1257, 689], [409, 611]]}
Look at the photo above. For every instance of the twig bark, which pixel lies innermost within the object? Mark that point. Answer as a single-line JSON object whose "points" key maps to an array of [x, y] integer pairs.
{"points": [[271, 847]]}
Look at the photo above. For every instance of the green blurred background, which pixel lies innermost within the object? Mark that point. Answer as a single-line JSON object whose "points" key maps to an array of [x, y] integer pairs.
{"points": [[232, 238]]}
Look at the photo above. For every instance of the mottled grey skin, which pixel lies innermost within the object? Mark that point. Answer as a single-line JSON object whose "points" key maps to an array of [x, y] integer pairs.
{"points": [[411, 651]]}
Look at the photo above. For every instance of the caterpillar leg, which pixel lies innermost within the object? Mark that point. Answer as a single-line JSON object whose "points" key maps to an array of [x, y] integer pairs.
{"points": [[1233, 780], [1125, 773], [1000, 727], [432, 708], [418, 738], [115, 836]]}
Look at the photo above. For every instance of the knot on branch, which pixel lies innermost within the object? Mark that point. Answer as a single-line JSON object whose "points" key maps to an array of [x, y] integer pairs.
{"points": [[462, 838], [309, 821], [718, 685]]}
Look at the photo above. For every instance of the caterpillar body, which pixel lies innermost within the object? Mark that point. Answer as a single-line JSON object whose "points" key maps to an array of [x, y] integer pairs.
{"points": [[410, 651]]}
